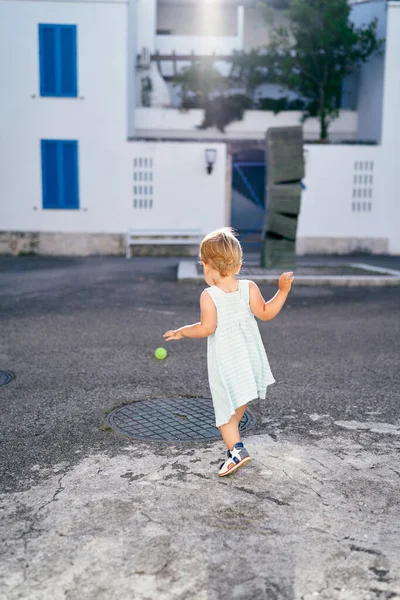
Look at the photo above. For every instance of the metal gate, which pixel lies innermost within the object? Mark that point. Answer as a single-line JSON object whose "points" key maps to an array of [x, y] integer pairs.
{"points": [[248, 201]]}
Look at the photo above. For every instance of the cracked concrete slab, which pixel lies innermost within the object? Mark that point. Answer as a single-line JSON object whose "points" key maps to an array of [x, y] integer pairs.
{"points": [[300, 522], [87, 514]]}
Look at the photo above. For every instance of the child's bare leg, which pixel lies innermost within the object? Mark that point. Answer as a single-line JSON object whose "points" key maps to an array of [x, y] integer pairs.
{"points": [[239, 412], [230, 431], [237, 456]]}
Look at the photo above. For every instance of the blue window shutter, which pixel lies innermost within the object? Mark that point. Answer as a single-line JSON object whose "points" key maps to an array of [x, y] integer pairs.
{"points": [[68, 60], [50, 177], [60, 185], [69, 170], [47, 60], [58, 60]]}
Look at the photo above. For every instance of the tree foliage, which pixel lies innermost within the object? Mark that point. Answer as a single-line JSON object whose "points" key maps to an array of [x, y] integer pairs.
{"points": [[222, 110], [202, 86], [312, 55], [198, 83]]}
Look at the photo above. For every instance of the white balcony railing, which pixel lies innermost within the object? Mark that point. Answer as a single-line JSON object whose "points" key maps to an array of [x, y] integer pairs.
{"points": [[156, 123], [200, 45]]}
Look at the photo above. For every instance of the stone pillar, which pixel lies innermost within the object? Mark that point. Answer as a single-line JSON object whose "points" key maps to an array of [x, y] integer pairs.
{"points": [[285, 170]]}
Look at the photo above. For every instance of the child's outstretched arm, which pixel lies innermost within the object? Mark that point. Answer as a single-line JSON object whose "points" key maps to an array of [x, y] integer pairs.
{"points": [[268, 310], [207, 325]]}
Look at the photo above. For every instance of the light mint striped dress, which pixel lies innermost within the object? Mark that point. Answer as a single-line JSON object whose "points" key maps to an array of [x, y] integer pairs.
{"points": [[238, 367]]}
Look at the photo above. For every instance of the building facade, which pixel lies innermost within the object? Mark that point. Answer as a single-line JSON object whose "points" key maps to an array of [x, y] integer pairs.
{"points": [[83, 160], [174, 34], [71, 181]]}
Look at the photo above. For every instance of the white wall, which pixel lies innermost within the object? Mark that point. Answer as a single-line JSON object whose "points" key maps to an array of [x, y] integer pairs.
{"points": [[131, 74], [202, 29], [334, 204], [202, 18], [97, 118], [369, 80], [146, 24], [257, 32], [185, 195], [391, 125], [173, 123]]}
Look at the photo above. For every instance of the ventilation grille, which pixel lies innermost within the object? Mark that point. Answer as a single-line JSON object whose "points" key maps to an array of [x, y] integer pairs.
{"points": [[363, 186], [143, 183]]}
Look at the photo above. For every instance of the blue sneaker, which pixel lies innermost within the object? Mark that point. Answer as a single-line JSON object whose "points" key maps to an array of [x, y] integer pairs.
{"points": [[238, 457]]}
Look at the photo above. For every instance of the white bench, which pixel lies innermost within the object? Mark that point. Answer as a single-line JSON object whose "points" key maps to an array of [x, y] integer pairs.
{"points": [[162, 237]]}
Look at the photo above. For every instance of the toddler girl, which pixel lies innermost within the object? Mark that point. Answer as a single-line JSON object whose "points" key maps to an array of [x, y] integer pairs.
{"points": [[238, 368]]}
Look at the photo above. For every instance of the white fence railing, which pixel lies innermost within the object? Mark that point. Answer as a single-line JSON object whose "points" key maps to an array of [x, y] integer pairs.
{"points": [[173, 123], [200, 45]]}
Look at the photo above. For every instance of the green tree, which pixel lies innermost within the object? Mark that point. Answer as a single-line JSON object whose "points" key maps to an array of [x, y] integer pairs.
{"points": [[312, 55]]}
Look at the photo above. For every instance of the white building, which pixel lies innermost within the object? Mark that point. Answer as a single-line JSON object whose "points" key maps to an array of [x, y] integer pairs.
{"points": [[82, 161]]}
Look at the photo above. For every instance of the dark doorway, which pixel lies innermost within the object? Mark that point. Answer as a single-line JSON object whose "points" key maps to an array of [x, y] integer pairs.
{"points": [[248, 196]]}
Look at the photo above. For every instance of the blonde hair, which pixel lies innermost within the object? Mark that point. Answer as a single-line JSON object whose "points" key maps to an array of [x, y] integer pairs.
{"points": [[222, 250]]}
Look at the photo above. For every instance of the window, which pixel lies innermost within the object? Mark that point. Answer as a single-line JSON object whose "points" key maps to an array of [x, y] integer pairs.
{"points": [[58, 60], [60, 187]]}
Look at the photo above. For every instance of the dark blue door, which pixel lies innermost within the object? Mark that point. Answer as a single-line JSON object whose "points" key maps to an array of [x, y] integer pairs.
{"points": [[248, 197]]}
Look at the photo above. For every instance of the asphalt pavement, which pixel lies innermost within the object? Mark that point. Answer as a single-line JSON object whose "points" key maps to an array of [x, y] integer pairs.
{"points": [[89, 514]]}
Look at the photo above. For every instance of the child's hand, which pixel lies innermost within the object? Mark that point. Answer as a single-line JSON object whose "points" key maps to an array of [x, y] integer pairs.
{"points": [[285, 281], [173, 335]]}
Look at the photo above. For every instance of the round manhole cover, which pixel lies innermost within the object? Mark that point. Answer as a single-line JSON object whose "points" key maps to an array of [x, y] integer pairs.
{"points": [[170, 420], [6, 377]]}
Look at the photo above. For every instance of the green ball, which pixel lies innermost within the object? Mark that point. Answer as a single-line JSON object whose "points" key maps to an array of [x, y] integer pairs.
{"points": [[161, 353]]}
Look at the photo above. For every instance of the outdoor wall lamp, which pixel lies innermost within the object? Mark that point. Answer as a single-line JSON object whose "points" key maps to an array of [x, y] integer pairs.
{"points": [[211, 157]]}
